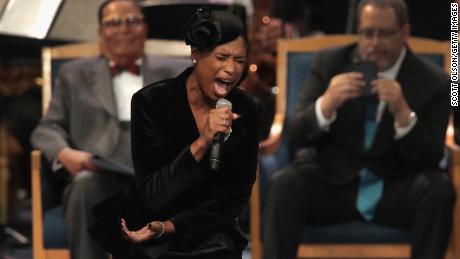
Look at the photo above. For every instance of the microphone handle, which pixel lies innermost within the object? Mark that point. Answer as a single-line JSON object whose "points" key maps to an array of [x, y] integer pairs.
{"points": [[217, 149]]}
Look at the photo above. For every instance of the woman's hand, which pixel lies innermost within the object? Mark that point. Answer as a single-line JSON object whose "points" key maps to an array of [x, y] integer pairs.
{"points": [[154, 229], [219, 120]]}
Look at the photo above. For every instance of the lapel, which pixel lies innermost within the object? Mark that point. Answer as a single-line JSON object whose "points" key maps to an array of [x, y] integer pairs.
{"points": [[237, 135], [147, 68], [181, 114], [405, 77], [351, 58], [103, 82], [103, 87], [238, 127], [181, 122]]}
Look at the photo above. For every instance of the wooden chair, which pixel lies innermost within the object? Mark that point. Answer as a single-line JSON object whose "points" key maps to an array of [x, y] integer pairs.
{"points": [[49, 237], [371, 241]]}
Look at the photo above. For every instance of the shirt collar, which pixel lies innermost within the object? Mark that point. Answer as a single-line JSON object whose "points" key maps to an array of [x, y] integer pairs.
{"points": [[392, 72]]}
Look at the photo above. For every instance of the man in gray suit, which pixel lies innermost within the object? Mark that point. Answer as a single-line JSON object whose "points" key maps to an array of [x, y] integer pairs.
{"points": [[90, 114]]}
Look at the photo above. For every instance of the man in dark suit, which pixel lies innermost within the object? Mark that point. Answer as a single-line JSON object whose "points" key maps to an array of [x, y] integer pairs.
{"points": [[90, 114], [376, 152]]}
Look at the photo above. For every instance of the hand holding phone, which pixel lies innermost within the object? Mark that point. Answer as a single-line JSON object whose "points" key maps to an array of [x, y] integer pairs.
{"points": [[369, 70]]}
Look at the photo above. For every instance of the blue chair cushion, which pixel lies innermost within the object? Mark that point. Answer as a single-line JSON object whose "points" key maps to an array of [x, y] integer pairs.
{"points": [[354, 232], [54, 229]]}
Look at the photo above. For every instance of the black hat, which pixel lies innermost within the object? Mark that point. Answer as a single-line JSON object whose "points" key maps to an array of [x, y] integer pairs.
{"points": [[206, 29]]}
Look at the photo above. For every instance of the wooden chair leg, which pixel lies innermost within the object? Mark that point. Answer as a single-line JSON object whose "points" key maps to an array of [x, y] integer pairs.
{"points": [[37, 215], [256, 244], [454, 170]]}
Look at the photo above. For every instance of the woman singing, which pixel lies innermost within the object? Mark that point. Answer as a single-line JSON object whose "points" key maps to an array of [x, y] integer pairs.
{"points": [[191, 210]]}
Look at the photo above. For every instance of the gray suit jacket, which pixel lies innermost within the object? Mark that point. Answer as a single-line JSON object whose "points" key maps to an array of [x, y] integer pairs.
{"points": [[83, 113]]}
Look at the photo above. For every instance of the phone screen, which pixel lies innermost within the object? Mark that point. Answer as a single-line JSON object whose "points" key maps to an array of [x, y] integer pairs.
{"points": [[369, 70]]}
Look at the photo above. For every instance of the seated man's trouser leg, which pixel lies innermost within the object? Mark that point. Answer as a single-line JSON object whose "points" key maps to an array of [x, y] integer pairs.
{"points": [[86, 190], [297, 196], [425, 203]]}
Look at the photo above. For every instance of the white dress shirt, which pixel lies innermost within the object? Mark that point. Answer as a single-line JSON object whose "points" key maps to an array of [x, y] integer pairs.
{"points": [[390, 73], [125, 84]]}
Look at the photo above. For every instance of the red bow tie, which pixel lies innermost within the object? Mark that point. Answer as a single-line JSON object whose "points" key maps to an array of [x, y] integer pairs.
{"points": [[131, 68]]}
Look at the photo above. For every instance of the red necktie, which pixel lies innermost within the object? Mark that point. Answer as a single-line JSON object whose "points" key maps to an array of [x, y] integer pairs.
{"points": [[131, 68]]}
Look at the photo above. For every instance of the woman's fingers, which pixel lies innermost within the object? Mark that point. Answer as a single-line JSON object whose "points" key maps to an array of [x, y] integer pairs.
{"points": [[220, 119], [139, 236], [123, 225]]}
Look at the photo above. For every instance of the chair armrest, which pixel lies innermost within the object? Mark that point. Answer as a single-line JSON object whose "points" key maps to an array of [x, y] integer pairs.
{"points": [[266, 147], [270, 144], [454, 171], [37, 211]]}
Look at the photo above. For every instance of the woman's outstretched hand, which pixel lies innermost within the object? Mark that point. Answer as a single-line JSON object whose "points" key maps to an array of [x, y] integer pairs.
{"points": [[154, 229]]}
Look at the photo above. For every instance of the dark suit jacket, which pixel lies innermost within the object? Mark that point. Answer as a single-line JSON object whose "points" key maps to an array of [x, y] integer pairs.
{"points": [[203, 205], [341, 153]]}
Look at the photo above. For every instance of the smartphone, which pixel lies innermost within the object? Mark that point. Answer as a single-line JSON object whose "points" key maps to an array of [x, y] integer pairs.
{"points": [[369, 70]]}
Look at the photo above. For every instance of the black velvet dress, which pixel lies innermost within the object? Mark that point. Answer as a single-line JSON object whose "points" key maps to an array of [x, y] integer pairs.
{"points": [[203, 205]]}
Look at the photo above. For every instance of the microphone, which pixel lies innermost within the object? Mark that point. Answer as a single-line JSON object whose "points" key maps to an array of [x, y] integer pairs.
{"points": [[217, 146]]}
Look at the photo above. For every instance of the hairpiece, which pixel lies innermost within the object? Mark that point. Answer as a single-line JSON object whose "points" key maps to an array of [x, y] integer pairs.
{"points": [[201, 30]]}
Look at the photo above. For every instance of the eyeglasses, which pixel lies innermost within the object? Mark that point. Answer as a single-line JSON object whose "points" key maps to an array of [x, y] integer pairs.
{"points": [[383, 34], [116, 22]]}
